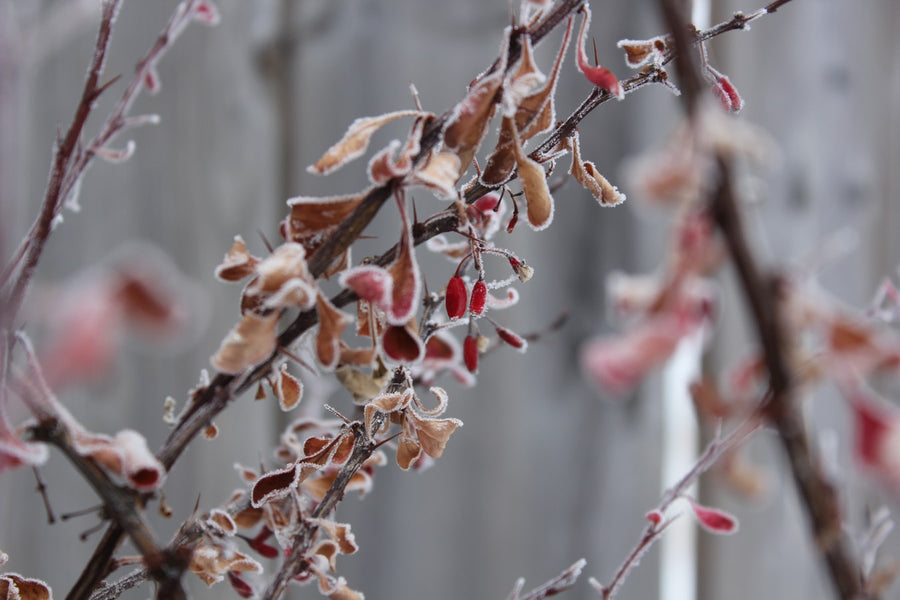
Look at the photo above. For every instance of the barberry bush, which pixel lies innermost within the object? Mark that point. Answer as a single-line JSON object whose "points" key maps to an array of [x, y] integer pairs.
{"points": [[389, 299]]}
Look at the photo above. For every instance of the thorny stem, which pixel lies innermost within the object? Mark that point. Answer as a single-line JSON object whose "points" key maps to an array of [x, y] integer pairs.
{"points": [[121, 505], [652, 531], [33, 244], [294, 563], [761, 292]]}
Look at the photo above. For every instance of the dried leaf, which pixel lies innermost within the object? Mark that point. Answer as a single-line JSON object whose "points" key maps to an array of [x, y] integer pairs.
{"points": [[524, 80], [355, 141], [439, 174], [469, 122], [362, 386], [251, 341], [537, 113], [288, 389], [640, 53], [127, 455], [328, 338], [402, 344], [433, 434], [16, 587], [500, 164], [371, 283], [274, 484], [407, 281], [238, 262], [313, 219], [222, 520], [534, 184], [587, 175], [601, 77]]}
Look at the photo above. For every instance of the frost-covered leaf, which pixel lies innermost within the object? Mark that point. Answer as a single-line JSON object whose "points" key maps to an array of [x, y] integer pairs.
{"points": [[536, 113], [714, 520], [534, 184], [587, 175], [502, 161], [126, 455], [288, 389], [328, 337], [439, 174], [251, 341], [312, 219], [601, 77], [640, 53], [522, 83], [407, 281], [16, 587], [433, 434], [355, 141], [238, 262], [401, 343], [371, 283]]}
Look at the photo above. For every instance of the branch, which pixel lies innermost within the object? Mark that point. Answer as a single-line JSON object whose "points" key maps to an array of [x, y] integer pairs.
{"points": [[653, 531], [818, 495]]}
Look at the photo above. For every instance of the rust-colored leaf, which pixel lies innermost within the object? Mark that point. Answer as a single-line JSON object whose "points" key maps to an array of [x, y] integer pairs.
{"points": [[271, 485], [238, 262], [402, 344], [288, 389], [500, 164], [534, 184], [433, 434], [15, 587], [537, 112], [439, 174], [355, 141], [312, 219], [328, 338], [587, 175], [407, 281], [251, 341]]}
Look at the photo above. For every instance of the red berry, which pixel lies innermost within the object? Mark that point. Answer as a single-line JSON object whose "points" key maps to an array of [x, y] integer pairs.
{"points": [[479, 297], [470, 353], [455, 297]]}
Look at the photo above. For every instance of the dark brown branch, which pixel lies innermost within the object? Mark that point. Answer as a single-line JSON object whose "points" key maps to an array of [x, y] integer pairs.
{"points": [[65, 148], [121, 506], [761, 291]]}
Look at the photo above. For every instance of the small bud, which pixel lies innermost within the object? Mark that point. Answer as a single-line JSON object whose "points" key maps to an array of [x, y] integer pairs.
{"points": [[512, 338], [479, 297], [240, 585], [654, 516], [455, 297], [482, 343], [470, 353], [727, 94], [714, 520], [524, 272]]}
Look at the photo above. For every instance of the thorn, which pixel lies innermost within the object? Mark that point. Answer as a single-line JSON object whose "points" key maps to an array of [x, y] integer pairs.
{"points": [[386, 440], [265, 242], [196, 507], [415, 95], [80, 513], [596, 59], [42, 490], [337, 413], [106, 86], [84, 535], [296, 359]]}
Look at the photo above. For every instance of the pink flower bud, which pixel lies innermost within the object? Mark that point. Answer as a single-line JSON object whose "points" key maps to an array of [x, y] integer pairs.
{"points": [[512, 338], [727, 94], [714, 520], [455, 297], [479, 297], [654, 516]]}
